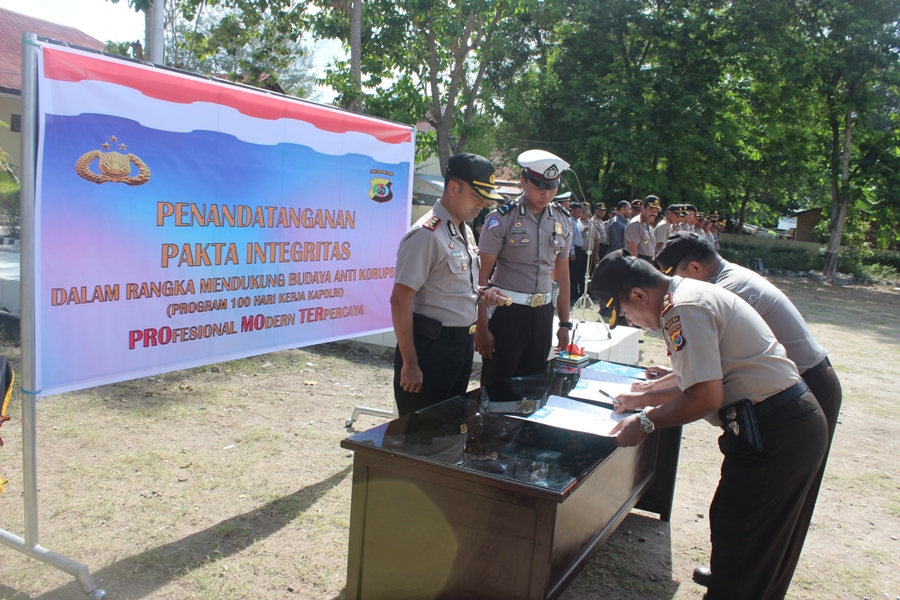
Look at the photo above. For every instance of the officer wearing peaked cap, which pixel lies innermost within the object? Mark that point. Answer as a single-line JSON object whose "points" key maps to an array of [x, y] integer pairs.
{"points": [[729, 369], [525, 243], [688, 255], [639, 240], [435, 295]]}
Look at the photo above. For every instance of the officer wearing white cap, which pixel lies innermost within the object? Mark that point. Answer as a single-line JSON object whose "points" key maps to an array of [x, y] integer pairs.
{"points": [[730, 370], [689, 255], [528, 242], [433, 303]]}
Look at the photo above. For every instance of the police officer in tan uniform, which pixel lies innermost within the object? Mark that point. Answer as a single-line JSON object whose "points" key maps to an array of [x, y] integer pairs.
{"points": [[433, 303], [528, 241], [688, 255], [664, 228], [639, 240], [730, 370]]}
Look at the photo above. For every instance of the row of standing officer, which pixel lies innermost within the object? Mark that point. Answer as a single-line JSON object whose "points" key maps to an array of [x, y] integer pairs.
{"points": [[444, 283]]}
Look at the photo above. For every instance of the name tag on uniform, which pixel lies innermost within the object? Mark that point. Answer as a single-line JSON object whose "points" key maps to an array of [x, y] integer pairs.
{"points": [[456, 253], [518, 231]]}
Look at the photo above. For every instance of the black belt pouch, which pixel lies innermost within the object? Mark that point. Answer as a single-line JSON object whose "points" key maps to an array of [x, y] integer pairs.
{"points": [[741, 429], [427, 327]]}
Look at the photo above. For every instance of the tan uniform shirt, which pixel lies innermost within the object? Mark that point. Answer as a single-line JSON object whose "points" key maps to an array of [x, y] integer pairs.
{"points": [[526, 245], [712, 334], [442, 266], [661, 232], [777, 311], [640, 233], [600, 233]]}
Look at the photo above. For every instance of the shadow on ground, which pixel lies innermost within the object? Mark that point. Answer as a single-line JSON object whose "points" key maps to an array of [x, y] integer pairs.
{"points": [[142, 574], [634, 564]]}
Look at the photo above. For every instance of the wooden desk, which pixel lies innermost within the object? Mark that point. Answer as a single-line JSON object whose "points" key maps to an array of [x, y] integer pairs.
{"points": [[455, 502]]}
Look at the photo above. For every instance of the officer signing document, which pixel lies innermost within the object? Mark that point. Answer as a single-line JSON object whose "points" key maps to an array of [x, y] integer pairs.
{"points": [[730, 370]]}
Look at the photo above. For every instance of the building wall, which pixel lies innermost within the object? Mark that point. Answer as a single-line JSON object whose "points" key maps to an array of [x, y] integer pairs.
{"points": [[752, 240], [806, 221], [9, 141]]}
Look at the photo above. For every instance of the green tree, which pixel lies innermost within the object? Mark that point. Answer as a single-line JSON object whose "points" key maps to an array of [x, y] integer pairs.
{"points": [[423, 59], [852, 48]]}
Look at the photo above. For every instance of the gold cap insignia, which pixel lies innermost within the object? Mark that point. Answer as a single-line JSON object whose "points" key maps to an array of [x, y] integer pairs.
{"points": [[114, 166]]}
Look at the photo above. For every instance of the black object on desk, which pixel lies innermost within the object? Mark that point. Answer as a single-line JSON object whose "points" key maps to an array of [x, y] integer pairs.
{"points": [[457, 502]]}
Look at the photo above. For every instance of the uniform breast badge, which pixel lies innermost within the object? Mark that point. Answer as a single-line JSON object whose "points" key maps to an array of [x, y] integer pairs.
{"points": [[557, 227]]}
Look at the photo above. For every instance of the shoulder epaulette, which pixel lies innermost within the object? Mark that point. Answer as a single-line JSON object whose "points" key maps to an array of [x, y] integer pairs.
{"points": [[432, 223], [561, 209], [505, 208]]}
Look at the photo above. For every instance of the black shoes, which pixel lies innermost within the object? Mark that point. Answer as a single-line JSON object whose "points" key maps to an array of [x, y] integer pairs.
{"points": [[702, 576]]}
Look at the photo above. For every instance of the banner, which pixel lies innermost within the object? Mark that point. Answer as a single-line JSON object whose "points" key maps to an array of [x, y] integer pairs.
{"points": [[181, 221]]}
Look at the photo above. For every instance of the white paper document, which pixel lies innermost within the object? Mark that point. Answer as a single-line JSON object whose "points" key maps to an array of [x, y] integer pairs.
{"points": [[576, 416], [594, 390]]}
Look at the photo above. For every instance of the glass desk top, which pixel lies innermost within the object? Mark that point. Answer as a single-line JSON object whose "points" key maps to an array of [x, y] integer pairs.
{"points": [[477, 433]]}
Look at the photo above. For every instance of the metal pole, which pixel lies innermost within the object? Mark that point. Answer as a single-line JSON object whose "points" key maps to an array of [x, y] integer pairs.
{"points": [[157, 33], [26, 219], [29, 545]]}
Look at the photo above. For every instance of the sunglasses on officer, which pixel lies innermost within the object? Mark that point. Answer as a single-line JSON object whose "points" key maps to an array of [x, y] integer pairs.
{"points": [[543, 184]]}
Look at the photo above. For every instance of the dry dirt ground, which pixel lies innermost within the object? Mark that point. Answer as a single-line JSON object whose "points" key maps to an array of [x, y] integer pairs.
{"points": [[228, 481]]}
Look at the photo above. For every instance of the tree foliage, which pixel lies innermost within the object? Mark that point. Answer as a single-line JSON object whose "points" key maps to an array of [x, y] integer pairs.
{"points": [[751, 107]]}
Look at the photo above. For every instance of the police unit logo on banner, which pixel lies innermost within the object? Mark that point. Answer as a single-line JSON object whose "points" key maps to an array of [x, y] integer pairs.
{"points": [[381, 187], [114, 166]]}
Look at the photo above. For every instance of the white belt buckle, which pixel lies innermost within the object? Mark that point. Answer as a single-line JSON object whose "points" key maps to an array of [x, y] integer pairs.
{"points": [[526, 407]]}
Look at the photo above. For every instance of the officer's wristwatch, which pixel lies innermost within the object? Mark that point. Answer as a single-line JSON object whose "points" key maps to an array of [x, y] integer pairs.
{"points": [[647, 425], [565, 324]]}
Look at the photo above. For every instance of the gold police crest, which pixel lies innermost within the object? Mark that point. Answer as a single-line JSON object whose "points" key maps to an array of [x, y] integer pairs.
{"points": [[380, 190], [114, 166]]}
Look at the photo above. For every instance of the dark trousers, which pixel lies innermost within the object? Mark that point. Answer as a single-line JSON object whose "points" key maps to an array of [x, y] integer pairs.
{"points": [[446, 365], [756, 507], [824, 385], [577, 268], [522, 340]]}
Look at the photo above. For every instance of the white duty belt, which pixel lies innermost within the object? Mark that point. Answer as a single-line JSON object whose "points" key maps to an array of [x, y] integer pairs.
{"points": [[532, 300]]}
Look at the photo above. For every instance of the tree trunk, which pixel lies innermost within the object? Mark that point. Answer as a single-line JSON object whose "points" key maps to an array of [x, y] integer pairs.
{"points": [[740, 224], [355, 52], [840, 199]]}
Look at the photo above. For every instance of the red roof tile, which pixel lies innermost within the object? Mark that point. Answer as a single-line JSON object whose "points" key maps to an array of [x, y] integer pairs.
{"points": [[13, 25]]}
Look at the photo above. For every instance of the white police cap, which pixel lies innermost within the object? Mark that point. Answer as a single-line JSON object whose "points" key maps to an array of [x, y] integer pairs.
{"points": [[563, 197], [543, 163]]}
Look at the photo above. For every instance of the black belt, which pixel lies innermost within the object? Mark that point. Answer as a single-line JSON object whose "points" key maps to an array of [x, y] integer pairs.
{"points": [[434, 329], [780, 399], [457, 331], [825, 363]]}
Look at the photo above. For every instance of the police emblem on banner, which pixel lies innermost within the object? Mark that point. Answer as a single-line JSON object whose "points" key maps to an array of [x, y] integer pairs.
{"points": [[114, 167], [381, 189]]}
